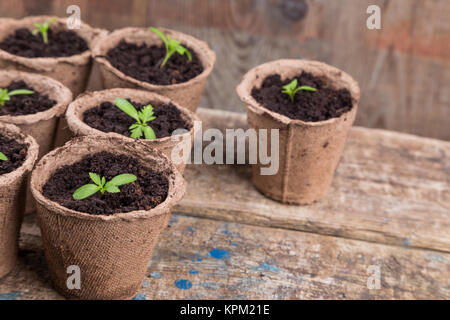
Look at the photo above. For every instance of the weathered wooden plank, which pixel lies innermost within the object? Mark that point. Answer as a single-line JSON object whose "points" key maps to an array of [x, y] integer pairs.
{"points": [[205, 259], [389, 188]]}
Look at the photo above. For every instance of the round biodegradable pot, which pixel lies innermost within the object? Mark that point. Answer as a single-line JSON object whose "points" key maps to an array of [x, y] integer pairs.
{"points": [[12, 193], [41, 125], [111, 251], [309, 152], [166, 145], [187, 93], [72, 71]]}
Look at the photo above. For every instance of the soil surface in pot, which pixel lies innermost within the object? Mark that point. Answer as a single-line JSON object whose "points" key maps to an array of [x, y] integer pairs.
{"points": [[24, 104], [62, 43], [142, 62], [108, 118], [149, 190], [14, 151], [323, 104]]}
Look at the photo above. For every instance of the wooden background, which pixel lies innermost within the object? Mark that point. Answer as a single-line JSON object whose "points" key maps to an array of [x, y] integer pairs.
{"points": [[403, 69]]}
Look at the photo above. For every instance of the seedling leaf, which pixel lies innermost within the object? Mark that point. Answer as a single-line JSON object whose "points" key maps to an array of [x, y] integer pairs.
{"points": [[85, 191], [5, 95], [291, 89], [43, 29], [101, 185], [3, 157], [95, 178], [172, 46], [127, 107], [122, 179], [142, 117]]}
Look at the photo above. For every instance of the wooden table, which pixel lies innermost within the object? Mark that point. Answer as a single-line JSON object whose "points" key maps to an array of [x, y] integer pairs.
{"points": [[388, 210]]}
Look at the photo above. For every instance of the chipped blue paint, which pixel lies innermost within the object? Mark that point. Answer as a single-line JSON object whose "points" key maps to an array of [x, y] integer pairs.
{"points": [[191, 229], [219, 254], [234, 244], [209, 285], [10, 295], [406, 242], [183, 284], [197, 258], [155, 275], [435, 257], [139, 296], [145, 284], [266, 267], [193, 271]]}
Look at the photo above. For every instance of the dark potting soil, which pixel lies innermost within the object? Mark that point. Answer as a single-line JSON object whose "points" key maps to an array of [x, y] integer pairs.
{"points": [[323, 104], [62, 43], [14, 151], [108, 118], [142, 62], [23, 104], [149, 190]]}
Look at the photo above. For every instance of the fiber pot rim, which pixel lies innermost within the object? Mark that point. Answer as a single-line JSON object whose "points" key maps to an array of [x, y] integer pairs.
{"points": [[201, 48], [177, 184], [261, 71], [77, 125], [48, 63], [12, 131], [57, 91]]}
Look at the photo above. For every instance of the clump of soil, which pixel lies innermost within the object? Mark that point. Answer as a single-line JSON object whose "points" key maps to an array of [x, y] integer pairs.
{"points": [[14, 151], [323, 104], [142, 62], [24, 43], [23, 104], [108, 118], [149, 190]]}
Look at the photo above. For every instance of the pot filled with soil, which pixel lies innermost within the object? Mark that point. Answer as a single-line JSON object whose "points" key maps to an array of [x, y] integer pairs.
{"points": [[102, 203], [45, 45], [100, 113], [33, 103], [18, 153], [313, 105], [164, 61]]}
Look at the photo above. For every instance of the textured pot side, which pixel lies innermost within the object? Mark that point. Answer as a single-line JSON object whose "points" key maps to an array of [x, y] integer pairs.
{"points": [[113, 251], [187, 94], [309, 151], [12, 193], [42, 125], [73, 71], [90, 100]]}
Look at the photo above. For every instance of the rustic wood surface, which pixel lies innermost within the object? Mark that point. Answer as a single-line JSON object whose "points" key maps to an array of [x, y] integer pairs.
{"points": [[389, 188], [199, 258], [403, 69]]}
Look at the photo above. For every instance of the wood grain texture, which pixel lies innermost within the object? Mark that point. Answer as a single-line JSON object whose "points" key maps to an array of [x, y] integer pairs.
{"points": [[403, 69], [256, 263], [389, 188]]}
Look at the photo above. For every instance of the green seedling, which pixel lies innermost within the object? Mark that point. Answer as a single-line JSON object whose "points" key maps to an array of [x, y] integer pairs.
{"points": [[291, 89], [101, 185], [3, 157], [43, 29], [172, 46], [142, 117], [5, 95]]}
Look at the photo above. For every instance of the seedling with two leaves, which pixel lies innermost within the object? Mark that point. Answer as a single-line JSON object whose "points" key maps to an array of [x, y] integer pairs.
{"points": [[5, 95], [291, 89], [142, 118], [172, 46], [3, 157], [101, 185], [43, 29]]}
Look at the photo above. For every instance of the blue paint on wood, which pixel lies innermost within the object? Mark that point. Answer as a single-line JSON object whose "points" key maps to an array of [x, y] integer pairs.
{"points": [[145, 284], [183, 284], [266, 267], [193, 271], [219, 254], [191, 229], [10, 295], [139, 296], [209, 285], [155, 275], [406, 242]]}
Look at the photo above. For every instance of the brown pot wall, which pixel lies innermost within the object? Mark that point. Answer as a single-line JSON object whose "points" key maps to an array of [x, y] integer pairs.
{"points": [[309, 152], [90, 100], [12, 193], [187, 94], [113, 251], [42, 125]]}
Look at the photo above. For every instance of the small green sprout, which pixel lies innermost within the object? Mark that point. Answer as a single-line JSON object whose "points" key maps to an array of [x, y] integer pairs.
{"points": [[141, 117], [43, 29], [101, 185], [3, 157], [5, 95], [172, 46], [291, 89]]}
